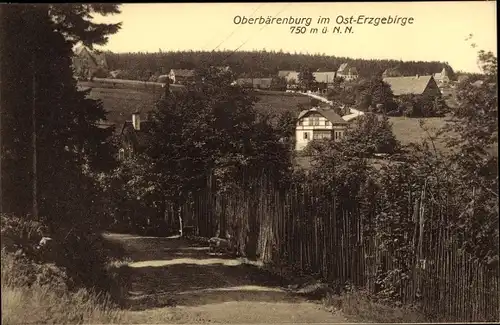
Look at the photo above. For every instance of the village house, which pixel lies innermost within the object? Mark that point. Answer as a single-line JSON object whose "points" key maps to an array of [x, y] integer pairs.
{"points": [[442, 77], [88, 64], [347, 72], [255, 83], [391, 72], [414, 85], [318, 123], [291, 77], [134, 136], [324, 80], [181, 76]]}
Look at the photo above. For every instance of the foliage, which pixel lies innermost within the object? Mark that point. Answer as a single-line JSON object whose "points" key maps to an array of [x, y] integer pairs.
{"points": [[211, 131], [279, 83], [476, 125], [422, 105], [341, 95], [286, 126], [69, 146], [371, 134], [263, 63], [37, 293], [67, 135], [306, 79], [374, 95]]}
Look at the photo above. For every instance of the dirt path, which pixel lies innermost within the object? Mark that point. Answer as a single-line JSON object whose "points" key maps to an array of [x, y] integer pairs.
{"points": [[175, 281]]}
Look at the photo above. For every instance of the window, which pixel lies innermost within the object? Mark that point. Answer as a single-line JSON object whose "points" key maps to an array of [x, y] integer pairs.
{"points": [[121, 154], [301, 122], [316, 120], [305, 135], [327, 123]]}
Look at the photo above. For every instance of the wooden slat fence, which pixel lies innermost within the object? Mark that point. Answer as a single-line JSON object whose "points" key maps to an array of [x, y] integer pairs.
{"points": [[307, 229]]}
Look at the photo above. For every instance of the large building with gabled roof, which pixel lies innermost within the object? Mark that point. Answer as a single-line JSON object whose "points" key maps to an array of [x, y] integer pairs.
{"points": [[318, 123], [414, 85]]}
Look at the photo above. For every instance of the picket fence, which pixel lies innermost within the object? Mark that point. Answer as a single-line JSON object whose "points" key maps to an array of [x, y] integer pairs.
{"points": [[307, 230]]}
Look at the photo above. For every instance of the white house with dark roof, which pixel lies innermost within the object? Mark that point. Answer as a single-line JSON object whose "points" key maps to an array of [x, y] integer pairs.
{"points": [[181, 76], [318, 123], [442, 77], [414, 85], [289, 75], [347, 72]]}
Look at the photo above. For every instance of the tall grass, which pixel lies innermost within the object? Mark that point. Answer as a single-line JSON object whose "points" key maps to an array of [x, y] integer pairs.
{"points": [[37, 294], [358, 307]]}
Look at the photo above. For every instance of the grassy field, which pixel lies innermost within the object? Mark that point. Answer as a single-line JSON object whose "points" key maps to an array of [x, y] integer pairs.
{"points": [[408, 130], [121, 100], [276, 102]]}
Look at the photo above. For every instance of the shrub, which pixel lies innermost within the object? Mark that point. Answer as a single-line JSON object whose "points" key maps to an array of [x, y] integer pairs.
{"points": [[79, 259], [358, 306]]}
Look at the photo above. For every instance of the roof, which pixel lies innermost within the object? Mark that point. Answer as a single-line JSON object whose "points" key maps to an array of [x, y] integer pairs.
{"points": [[262, 81], [292, 75], [326, 77], [254, 81], [414, 85], [183, 72], [242, 81], [392, 72], [345, 68], [98, 58], [138, 137], [284, 73], [329, 114], [145, 126]]}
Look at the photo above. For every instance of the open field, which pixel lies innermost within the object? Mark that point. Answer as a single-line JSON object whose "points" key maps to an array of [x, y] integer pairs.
{"points": [[408, 130], [123, 99], [120, 99], [276, 102]]}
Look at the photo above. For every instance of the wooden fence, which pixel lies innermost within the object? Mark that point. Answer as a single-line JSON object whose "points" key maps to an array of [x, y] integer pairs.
{"points": [[310, 231]]}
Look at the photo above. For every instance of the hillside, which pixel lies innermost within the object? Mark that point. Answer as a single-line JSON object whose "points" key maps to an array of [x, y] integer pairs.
{"points": [[121, 98], [259, 64]]}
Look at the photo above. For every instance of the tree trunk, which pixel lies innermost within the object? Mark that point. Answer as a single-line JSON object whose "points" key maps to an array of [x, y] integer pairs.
{"points": [[35, 175], [179, 215]]}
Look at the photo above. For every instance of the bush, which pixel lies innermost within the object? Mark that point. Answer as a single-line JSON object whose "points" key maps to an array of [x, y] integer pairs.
{"points": [[358, 306], [37, 293], [79, 259]]}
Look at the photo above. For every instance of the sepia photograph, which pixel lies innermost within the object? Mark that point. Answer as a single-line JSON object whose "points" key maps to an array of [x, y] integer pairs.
{"points": [[249, 163]]}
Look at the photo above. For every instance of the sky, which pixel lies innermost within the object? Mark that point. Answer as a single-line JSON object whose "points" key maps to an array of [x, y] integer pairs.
{"points": [[438, 32]]}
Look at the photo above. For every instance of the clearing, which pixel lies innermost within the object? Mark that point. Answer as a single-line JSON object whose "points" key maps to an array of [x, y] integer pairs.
{"points": [[172, 280], [407, 130]]}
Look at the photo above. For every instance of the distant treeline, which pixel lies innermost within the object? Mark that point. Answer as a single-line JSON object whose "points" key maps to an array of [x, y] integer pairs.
{"points": [[260, 64]]}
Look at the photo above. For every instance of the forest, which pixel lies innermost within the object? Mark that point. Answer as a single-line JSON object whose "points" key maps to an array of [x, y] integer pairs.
{"points": [[259, 64]]}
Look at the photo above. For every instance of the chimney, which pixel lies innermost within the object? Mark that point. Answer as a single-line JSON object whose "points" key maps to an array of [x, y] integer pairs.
{"points": [[136, 121]]}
